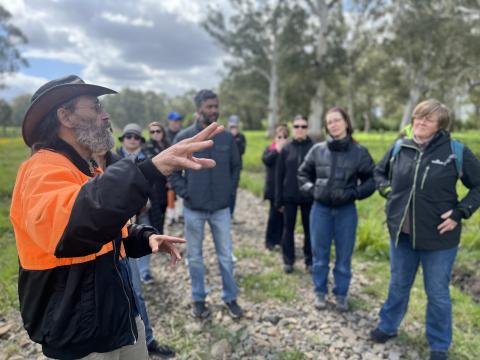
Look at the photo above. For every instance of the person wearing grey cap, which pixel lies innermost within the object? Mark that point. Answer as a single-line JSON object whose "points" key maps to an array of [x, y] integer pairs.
{"points": [[71, 224], [241, 141]]}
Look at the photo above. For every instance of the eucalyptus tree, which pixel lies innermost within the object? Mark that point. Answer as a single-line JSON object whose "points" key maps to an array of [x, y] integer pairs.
{"points": [[251, 36], [426, 39], [11, 39]]}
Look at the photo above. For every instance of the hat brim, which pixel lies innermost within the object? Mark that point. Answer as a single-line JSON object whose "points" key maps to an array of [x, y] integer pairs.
{"points": [[51, 99], [143, 140]]}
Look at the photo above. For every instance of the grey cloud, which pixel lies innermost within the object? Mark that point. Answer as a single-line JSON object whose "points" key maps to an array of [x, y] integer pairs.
{"points": [[171, 43]]}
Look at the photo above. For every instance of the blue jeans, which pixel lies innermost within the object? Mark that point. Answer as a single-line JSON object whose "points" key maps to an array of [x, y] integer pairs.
{"points": [[139, 300], [340, 225], [437, 269], [219, 222], [144, 262]]}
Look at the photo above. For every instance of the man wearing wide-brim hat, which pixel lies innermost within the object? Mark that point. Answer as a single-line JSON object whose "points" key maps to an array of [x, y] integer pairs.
{"points": [[70, 222]]}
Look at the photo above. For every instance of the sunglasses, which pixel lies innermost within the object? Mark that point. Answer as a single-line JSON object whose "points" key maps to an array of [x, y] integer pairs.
{"points": [[300, 126], [156, 132], [281, 137], [132, 136]]}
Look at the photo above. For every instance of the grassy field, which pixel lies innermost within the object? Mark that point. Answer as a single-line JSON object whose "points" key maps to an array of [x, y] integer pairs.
{"points": [[372, 244], [372, 241]]}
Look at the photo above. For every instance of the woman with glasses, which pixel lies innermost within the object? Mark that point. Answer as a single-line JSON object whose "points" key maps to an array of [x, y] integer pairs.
{"points": [[269, 158], [418, 176], [288, 197], [335, 172]]}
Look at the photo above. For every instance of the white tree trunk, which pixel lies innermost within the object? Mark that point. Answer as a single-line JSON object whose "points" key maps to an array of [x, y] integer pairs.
{"points": [[273, 101], [316, 110], [414, 96], [351, 96], [317, 102]]}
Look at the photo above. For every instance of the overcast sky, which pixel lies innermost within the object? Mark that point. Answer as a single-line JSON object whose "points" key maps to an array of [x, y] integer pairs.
{"points": [[143, 44]]}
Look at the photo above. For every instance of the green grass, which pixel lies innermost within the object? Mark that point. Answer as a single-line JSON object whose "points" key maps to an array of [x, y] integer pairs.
{"points": [[270, 285]]}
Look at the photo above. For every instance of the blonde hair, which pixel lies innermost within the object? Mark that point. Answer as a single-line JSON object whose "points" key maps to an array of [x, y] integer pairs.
{"points": [[435, 107], [155, 123]]}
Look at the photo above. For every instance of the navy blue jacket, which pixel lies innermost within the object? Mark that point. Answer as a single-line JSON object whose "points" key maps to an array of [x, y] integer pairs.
{"points": [[209, 189]]}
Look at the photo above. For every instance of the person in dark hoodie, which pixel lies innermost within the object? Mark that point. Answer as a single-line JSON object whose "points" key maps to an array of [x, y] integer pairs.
{"points": [[337, 172], [288, 197], [418, 176], [273, 234]]}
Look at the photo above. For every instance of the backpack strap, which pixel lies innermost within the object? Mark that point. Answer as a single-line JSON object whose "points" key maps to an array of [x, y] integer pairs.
{"points": [[395, 150], [457, 150]]}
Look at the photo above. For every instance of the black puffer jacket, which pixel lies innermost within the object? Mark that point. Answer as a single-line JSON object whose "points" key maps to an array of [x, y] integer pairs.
{"points": [[269, 158], [426, 182], [337, 172], [286, 184]]}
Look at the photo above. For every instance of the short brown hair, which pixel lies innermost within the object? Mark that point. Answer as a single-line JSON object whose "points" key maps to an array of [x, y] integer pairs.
{"points": [[433, 106], [283, 128], [345, 117]]}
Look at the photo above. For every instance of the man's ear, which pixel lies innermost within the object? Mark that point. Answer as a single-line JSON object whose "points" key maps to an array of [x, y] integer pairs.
{"points": [[63, 116]]}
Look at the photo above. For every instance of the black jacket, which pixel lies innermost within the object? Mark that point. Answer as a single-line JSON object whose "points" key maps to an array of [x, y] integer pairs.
{"points": [[241, 142], [170, 134], [76, 296], [287, 189], [158, 195], [209, 189], [337, 172], [425, 182], [269, 158]]}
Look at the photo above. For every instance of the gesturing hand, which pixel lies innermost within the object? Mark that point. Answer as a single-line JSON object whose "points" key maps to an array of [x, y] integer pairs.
{"points": [[448, 224], [166, 244], [180, 155]]}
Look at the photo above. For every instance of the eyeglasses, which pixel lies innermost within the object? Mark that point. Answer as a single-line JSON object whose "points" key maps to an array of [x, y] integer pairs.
{"points": [[156, 132], [300, 126], [427, 119], [132, 136], [281, 137], [97, 107]]}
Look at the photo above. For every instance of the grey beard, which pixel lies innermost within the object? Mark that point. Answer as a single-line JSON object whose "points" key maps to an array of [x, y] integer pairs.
{"points": [[96, 139]]}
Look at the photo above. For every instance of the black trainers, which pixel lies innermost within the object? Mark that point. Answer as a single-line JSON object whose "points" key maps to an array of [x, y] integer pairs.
{"points": [[378, 336], [234, 310], [147, 279], [287, 269], [200, 310], [438, 355], [320, 302], [341, 303], [309, 268], [163, 351]]}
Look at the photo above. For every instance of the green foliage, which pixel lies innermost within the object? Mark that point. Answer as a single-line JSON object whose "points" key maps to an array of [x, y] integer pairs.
{"points": [[267, 286]]}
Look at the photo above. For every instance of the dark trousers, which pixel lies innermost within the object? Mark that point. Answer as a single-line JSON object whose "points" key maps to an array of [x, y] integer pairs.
{"points": [[288, 243], [274, 227]]}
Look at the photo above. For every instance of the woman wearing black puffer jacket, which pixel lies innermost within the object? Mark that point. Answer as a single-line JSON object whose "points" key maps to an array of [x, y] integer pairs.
{"points": [[288, 197], [336, 173]]}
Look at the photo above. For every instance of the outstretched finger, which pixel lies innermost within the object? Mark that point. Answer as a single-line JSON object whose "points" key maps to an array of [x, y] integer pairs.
{"points": [[197, 146], [207, 133], [205, 163]]}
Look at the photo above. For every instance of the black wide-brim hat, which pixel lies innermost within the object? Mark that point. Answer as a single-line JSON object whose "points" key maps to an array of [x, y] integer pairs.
{"points": [[53, 94]]}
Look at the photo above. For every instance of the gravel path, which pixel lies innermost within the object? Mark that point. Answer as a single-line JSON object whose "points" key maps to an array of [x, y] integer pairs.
{"points": [[280, 321]]}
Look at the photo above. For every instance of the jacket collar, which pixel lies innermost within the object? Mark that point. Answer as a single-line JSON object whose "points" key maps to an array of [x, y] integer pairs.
{"points": [[64, 148], [339, 145]]}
